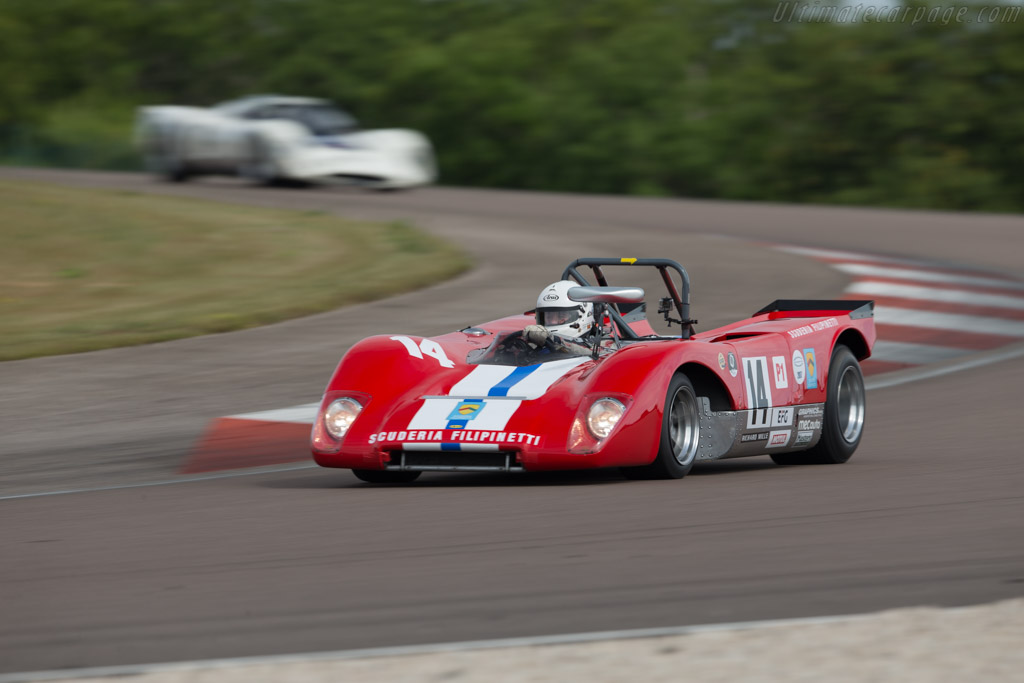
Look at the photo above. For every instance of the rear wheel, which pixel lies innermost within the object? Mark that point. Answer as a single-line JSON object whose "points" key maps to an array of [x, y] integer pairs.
{"points": [[386, 476], [845, 410], [680, 434], [260, 165]]}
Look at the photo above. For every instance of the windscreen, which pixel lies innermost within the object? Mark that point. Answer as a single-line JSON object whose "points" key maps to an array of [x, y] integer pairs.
{"points": [[323, 119]]}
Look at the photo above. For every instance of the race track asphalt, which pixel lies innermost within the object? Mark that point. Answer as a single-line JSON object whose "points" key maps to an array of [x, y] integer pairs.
{"points": [[929, 510]]}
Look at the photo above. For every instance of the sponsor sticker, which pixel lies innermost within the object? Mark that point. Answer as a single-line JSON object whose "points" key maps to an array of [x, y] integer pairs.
{"points": [[799, 369], [826, 324], [811, 411], [721, 361], [454, 436], [803, 438], [758, 436], [809, 424], [463, 413], [733, 365], [779, 372], [466, 410], [778, 439], [812, 369], [782, 417]]}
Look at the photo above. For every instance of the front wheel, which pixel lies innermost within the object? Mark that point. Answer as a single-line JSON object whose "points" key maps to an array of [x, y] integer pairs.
{"points": [[386, 476], [167, 165], [845, 410], [163, 154], [680, 434]]}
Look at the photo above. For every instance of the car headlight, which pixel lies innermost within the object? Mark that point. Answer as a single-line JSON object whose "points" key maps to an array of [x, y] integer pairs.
{"points": [[340, 415], [603, 416]]}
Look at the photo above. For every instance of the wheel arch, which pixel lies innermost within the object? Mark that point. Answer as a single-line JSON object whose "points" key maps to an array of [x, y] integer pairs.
{"points": [[852, 339], [707, 383]]}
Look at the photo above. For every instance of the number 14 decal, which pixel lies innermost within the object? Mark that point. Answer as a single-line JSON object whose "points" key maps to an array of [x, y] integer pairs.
{"points": [[759, 394], [427, 347]]}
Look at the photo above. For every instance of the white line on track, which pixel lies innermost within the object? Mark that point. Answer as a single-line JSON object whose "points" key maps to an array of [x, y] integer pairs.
{"points": [[304, 414], [837, 254], [900, 377], [165, 482], [954, 322], [916, 354], [433, 648], [925, 276], [936, 294]]}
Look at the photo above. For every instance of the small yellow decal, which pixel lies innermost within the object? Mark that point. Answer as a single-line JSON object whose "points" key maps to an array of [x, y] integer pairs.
{"points": [[630, 261]]}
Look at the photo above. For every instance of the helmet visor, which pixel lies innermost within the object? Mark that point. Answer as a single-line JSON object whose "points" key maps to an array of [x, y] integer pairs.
{"points": [[551, 317]]}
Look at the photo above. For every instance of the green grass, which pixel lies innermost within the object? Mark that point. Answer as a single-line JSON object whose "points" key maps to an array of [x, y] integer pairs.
{"points": [[84, 270]]}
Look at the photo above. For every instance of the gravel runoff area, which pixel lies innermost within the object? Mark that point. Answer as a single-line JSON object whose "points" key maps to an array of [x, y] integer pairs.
{"points": [[906, 645]]}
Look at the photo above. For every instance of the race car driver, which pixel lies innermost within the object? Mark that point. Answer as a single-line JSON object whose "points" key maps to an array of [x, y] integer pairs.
{"points": [[563, 325]]}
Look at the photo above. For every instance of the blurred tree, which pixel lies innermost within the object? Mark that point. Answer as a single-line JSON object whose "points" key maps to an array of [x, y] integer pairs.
{"points": [[711, 98]]}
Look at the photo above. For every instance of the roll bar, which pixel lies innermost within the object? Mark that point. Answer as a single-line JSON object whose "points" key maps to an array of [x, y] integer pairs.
{"points": [[680, 300]]}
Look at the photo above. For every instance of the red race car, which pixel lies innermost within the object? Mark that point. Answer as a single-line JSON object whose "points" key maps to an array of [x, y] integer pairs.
{"points": [[584, 381]]}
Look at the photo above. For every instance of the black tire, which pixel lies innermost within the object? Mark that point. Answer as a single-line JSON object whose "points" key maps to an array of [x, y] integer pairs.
{"points": [[162, 159], [179, 174], [680, 434], [845, 412], [168, 166], [386, 476], [260, 166]]}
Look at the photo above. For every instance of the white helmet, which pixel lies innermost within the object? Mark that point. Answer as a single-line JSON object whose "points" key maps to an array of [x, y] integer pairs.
{"points": [[562, 316]]}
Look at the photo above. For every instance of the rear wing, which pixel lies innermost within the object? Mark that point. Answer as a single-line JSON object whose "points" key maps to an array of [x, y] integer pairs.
{"points": [[813, 308]]}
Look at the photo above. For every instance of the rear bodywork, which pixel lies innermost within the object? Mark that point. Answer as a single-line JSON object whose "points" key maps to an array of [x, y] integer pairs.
{"points": [[429, 406]]}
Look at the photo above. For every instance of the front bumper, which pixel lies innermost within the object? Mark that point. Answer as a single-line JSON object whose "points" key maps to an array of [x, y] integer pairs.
{"points": [[443, 461], [368, 167], [503, 457]]}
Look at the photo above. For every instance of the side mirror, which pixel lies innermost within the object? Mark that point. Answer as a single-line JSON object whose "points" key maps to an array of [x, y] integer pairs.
{"points": [[607, 295]]}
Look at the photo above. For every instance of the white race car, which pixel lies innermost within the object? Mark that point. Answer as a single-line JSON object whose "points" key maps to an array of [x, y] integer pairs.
{"points": [[271, 138]]}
